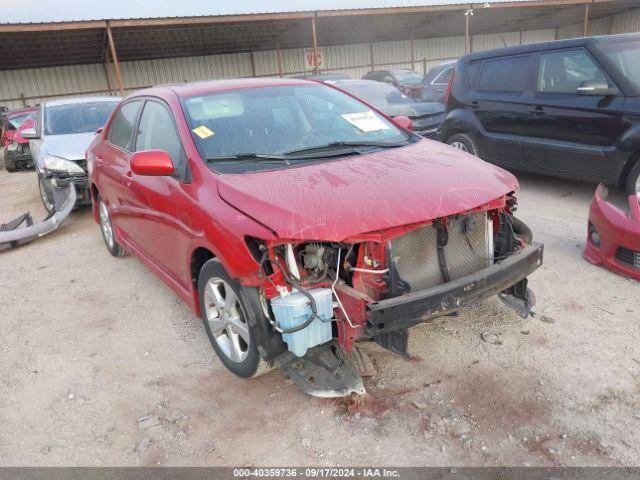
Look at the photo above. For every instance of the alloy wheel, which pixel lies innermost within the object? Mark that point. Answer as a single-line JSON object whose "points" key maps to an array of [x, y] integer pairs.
{"points": [[459, 146], [105, 225], [227, 324]]}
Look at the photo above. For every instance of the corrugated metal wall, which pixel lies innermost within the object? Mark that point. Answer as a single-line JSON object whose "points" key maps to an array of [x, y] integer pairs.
{"points": [[354, 60]]}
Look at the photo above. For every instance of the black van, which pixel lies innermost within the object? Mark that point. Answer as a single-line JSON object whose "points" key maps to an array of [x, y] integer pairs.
{"points": [[569, 108]]}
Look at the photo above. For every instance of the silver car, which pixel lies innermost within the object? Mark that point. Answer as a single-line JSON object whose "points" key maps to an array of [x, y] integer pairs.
{"points": [[64, 129]]}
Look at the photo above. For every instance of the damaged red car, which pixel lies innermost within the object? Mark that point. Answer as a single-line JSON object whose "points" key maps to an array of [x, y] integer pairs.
{"points": [[296, 220], [17, 152]]}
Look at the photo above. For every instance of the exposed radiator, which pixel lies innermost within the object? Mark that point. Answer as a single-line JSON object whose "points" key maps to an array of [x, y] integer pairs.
{"points": [[469, 248]]}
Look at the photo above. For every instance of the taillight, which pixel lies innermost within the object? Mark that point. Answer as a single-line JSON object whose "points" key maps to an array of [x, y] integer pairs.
{"points": [[447, 92]]}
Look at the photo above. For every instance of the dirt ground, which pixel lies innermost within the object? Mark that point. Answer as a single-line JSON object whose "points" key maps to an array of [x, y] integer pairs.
{"points": [[101, 364]]}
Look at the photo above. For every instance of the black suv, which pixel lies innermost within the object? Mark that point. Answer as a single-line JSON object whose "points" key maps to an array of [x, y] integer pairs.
{"points": [[569, 108]]}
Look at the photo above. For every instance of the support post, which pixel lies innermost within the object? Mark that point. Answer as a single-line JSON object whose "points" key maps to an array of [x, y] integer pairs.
{"points": [[424, 66], [316, 68], [585, 30], [106, 75], [114, 56], [279, 56], [467, 43], [413, 52], [23, 100], [253, 64], [373, 64]]}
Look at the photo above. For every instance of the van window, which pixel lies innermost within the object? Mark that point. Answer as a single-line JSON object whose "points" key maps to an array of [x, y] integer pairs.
{"points": [[565, 71], [506, 74], [472, 73]]}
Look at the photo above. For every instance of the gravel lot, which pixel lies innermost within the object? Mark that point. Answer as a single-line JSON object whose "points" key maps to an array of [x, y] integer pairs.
{"points": [[101, 364]]}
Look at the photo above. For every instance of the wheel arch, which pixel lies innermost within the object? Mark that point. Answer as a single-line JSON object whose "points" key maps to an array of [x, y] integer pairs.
{"points": [[632, 160], [93, 190]]}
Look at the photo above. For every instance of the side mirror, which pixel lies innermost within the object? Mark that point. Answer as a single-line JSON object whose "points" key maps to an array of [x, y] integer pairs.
{"points": [[29, 134], [403, 122], [594, 87], [152, 162]]}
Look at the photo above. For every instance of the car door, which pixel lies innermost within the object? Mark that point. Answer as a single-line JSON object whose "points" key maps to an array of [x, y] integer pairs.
{"points": [[160, 203], [500, 107], [112, 162], [569, 133]]}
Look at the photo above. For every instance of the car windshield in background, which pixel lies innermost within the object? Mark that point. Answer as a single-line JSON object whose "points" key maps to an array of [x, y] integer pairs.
{"points": [[285, 123], [408, 77], [17, 120], [77, 117], [626, 56], [377, 94]]}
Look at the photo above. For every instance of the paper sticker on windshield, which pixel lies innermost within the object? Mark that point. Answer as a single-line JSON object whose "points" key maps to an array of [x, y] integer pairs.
{"points": [[202, 132], [365, 121]]}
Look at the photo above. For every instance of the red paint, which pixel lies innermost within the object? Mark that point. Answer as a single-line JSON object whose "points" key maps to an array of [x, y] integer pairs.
{"points": [[162, 220], [616, 229], [151, 162], [10, 134]]}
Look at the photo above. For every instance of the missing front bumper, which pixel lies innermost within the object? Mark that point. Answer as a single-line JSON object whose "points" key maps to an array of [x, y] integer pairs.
{"points": [[22, 229], [399, 313]]}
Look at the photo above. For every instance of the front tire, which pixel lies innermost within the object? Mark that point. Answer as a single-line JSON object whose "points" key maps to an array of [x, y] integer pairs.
{"points": [[46, 193], [225, 320], [633, 180], [464, 142], [9, 163], [108, 233]]}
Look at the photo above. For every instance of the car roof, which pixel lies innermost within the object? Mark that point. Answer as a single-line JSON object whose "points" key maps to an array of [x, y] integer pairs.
{"points": [[75, 100], [555, 44], [361, 82], [212, 86]]}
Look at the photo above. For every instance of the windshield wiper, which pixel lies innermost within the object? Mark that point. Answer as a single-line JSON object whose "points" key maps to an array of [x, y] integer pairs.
{"points": [[249, 156], [332, 145]]}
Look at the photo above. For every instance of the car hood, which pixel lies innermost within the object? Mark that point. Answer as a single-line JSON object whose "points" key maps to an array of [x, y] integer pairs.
{"points": [[69, 147], [339, 199], [412, 110]]}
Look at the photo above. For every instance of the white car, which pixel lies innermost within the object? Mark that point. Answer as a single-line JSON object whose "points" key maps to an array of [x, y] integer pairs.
{"points": [[64, 129]]}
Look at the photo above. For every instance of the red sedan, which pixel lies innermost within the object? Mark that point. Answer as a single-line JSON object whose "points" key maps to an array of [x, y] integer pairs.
{"points": [[291, 217]]}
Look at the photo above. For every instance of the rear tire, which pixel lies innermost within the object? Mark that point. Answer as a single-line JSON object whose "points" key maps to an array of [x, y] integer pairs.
{"points": [[225, 321], [464, 142], [633, 180], [108, 233]]}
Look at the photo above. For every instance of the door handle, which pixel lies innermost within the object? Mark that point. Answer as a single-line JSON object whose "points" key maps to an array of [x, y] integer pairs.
{"points": [[537, 111], [475, 105]]}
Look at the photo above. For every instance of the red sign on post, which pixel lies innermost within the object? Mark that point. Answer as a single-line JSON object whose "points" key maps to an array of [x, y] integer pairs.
{"points": [[311, 60]]}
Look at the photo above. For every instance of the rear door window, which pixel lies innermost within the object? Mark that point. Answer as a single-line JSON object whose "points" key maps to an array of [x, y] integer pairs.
{"points": [[566, 70], [510, 74], [121, 129], [443, 78]]}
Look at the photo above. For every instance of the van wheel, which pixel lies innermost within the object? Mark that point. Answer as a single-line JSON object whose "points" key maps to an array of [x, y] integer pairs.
{"points": [[225, 320], [464, 142], [108, 234], [633, 180]]}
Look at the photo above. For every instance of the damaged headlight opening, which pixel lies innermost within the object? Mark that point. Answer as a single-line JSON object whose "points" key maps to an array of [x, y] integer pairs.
{"points": [[56, 164]]}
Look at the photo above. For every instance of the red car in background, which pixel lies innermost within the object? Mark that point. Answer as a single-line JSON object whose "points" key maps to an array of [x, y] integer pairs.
{"points": [[17, 152], [292, 217]]}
